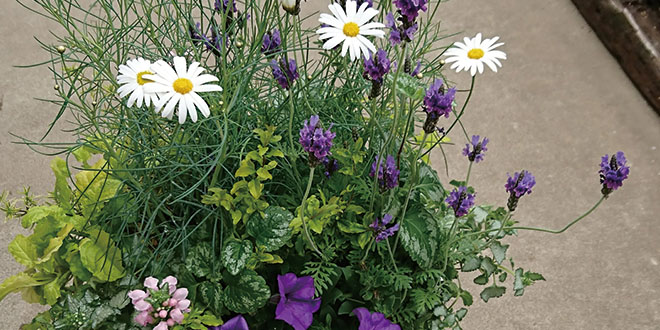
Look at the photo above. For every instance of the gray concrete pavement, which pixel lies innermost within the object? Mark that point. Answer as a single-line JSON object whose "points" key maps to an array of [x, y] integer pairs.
{"points": [[559, 103]]}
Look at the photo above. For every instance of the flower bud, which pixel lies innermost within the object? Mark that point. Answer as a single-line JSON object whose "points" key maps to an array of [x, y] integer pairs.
{"points": [[291, 6], [61, 49], [162, 314]]}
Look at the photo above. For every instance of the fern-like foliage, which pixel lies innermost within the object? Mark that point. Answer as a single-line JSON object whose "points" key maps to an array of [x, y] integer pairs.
{"points": [[325, 275]]}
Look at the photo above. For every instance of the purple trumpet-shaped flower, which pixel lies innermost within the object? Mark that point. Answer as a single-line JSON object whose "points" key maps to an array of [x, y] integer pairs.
{"points": [[380, 228], [612, 172], [517, 186], [163, 304], [475, 150], [461, 201], [271, 42], [285, 73], [235, 323], [315, 140], [410, 9], [388, 173], [373, 321], [437, 103], [297, 303]]}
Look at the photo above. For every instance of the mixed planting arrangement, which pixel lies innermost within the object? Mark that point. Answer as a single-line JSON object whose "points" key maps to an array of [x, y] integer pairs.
{"points": [[239, 165]]}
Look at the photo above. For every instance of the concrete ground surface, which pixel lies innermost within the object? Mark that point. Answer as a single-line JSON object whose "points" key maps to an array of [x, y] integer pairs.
{"points": [[559, 103]]}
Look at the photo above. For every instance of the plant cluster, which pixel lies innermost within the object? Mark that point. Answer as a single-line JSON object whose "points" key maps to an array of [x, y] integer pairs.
{"points": [[272, 170]]}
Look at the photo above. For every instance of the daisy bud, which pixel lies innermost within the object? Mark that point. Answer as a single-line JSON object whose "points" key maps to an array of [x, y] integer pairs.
{"points": [[61, 49], [56, 87], [291, 6]]}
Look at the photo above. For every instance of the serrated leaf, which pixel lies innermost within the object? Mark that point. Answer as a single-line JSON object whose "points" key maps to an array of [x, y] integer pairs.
{"points": [[199, 259], [246, 293], [481, 279], [466, 297], [518, 285], [534, 276], [415, 238], [499, 251], [119, 300], [235, 255], [212, 296], [22, 249], [408, 86], [101, 314], [101, 257], [471, 264], [270, 231], [492, 292], [488, 266], [52, 291]]}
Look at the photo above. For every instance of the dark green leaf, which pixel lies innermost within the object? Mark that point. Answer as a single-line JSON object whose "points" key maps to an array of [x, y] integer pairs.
{"points": [[466, 297], [416, 239], [272, 230], [499, 251], [471, 264], [199, 260], [492, 292], [518, 286], [481, 279], [488, 266], [246, 293], [346, 308], [235, 255], [212, 296]]}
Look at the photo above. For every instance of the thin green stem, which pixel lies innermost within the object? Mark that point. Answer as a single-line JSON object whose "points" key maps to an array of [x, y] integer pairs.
{"points": [[467, 178], [389, 249]]}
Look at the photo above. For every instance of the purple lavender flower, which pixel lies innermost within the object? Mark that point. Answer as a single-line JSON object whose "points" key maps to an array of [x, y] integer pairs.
{"points": [[271, 42], [476, 152], [417, 69], [517, 186], [195, 33], [217, 41], [331, 166], [235, 323], [436, 101], [395, 34], [373, 321], [222, 5], [297, 303], [380, 228], [315, 141], [388, 173], [410, 8], [285, 73], [612, 172], [377, 66], [461, 201]]}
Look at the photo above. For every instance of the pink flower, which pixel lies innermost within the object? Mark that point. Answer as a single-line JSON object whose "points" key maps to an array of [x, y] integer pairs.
{"points": [[183, 305], [142, 306], [161, 326], [171, 281], [143, 318], [137, 295], [151, 283], [176, 315], [180, 294]]}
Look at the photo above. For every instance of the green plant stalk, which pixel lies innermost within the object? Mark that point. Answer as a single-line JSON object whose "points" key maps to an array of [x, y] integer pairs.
{"points": [[467, 178], [302, 213], [389, 249], [460, 114]]}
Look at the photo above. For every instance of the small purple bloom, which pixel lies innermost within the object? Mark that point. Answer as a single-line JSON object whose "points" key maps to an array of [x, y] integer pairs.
{"points": [[520, 184], [475, 150], [410, 8], [271, 42], [297, 303], [315, 140], [195, 33], [331, 166], [380, 227], [613, 171], [417, 69], [388, 173], [373, 321], [221, 5], [377, 66], [436, 102], [285, 73], [216, 43], [395, 34], [461, 201]]}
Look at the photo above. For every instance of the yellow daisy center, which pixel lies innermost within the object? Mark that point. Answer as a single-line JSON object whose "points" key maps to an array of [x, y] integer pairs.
{"points": [[182, 85], [141, 81], [351, 29], [476, 53]]}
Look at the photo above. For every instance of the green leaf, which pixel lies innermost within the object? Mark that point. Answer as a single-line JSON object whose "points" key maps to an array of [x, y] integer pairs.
{"points": [[23, 251], [416, 239], [270, 231], [210, 320], [346, 308], [255, 187], [119, 300], [37, 213], [518, 285], [199, 259], [499, 251], [101, 314], [408, 86], [101, 257], [246, 293], [246, 169], [488, 266], [212, 296], [62, 192], [363, 239], [466, 297], [20, 281], [492, 292], [349, 227], [235, 255], [263, 174], [52, 291], [481, 279], [75, 263], [534, 276], [471, 264]]}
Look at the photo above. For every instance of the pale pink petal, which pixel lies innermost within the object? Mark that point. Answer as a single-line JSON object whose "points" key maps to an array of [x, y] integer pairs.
{"points": [[143, 318], [172, 281], [136, 295], [142, 305], [151, 283], [161, 326], [176, 315], [183, 304]]}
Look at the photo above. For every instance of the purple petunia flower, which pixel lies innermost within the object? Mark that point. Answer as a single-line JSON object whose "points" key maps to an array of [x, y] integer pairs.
{"points": [[517, 186], [475, 150], [297, 303], [285, 73], [461, 201], [235, 323], [377, 66], [315, 140], [381, 230], [271, 42], [373, 321], [612, 172], [410, 9], [388, 173]]}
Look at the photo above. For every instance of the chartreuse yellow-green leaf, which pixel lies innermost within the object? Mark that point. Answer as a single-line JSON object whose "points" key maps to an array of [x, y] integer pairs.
{"points": [[24, 251], [101, 257]]}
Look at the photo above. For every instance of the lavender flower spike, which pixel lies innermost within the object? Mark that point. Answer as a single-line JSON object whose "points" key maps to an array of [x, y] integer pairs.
{"points": [[375, 68], [476, 153], [388, 173], [612, 172], [437, 103], [296, 304], [380, 227], [315, 140], [517, 186], [285, 73], [373, 321], [271, 42], [410, 9], [461, 201]]}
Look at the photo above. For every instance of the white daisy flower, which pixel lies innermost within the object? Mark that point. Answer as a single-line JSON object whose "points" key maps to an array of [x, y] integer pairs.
{"points": [[181, 86], [132, 80], [350, 27], [472, 54]]}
